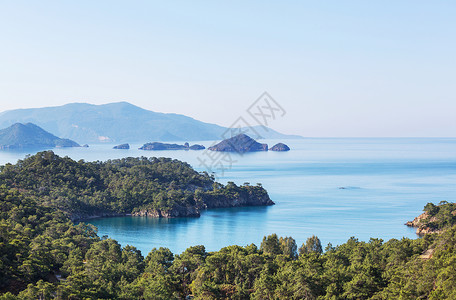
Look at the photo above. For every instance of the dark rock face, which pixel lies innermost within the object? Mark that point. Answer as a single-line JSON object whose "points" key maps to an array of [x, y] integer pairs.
{"points": [[239, 143], [29, 135], [164, 146], [280, 147], [122, 146]]}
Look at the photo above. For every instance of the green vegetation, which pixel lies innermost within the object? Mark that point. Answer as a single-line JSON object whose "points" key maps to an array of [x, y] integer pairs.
{"points": [[43, 255], [440, 216], [123, 186], [435, 218]]}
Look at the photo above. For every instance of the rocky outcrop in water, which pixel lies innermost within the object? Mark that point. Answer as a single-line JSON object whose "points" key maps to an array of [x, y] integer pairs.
{"points": [[280, 147], [164, 146], [240, 143], [421, 224], [196, 147], [122, 146]]}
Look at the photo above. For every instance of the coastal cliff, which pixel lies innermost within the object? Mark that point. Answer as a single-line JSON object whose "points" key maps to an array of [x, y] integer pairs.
{"points": [[421, 224], [435, 219], [248, 197], [231, 196]]}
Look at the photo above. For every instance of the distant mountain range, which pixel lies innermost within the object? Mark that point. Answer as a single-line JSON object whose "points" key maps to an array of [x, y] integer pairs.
{"points": [[120, 122], [19, 136]]}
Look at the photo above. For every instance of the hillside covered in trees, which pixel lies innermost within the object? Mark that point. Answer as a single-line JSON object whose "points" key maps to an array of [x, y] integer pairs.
{"points": [[160, 187], [45, 256]]}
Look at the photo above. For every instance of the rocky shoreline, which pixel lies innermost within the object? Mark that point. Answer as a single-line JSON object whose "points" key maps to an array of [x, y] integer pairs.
{"points": [[177, 212], [420, 223], [208, 201]]}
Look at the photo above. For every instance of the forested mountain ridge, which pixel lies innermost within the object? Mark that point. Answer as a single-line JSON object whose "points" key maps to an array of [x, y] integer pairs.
{"points": [[160, 187]]}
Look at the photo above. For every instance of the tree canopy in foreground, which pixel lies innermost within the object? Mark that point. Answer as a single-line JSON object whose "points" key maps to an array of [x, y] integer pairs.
{"points": [[43, 255]]}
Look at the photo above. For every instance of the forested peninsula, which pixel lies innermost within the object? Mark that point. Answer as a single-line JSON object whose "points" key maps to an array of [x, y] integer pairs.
{"points": [[158, 187]]}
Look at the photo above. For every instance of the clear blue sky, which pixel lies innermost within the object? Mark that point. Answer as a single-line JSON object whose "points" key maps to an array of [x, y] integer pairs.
{"points": [[339, 68]]}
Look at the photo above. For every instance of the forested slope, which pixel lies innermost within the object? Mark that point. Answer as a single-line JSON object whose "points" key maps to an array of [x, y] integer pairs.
{"points": [[43, 255], [160, 187]]}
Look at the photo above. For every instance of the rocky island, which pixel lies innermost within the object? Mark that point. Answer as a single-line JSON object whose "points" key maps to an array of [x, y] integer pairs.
{"points": [[240, 143], [243, 143], [195, 147], [29, 135], [164, 146], [280, 147], [122, 146]]}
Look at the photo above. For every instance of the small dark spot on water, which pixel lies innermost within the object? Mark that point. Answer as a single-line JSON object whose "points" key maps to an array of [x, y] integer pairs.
{"points": [[349, 188]]}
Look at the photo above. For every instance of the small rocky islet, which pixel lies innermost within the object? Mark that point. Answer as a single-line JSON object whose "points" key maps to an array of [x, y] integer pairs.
{"points": [[122, 146], [165, 146], [242, 143], [280, 147]]}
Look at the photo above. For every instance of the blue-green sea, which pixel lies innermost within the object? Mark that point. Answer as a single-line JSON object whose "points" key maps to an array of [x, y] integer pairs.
{"points": [[334, 188]]}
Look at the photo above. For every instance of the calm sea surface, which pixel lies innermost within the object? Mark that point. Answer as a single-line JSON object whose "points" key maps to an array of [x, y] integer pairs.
{"points": [[385, 183]]}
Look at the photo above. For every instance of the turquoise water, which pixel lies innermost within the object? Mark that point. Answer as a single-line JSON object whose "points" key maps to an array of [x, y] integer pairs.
{"points": [[386, 182]]}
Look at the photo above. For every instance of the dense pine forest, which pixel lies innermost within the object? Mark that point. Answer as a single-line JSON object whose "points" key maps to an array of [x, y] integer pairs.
{"points": [[44, 255], [159, 186]]}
